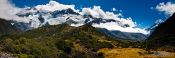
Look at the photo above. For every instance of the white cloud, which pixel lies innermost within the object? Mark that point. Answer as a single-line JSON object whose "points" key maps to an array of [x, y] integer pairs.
{"points": [[53, 5], [76, 25], [8, 11], [116, 26], [168, 8], [97, 12], [128, 21], [113, 9]]}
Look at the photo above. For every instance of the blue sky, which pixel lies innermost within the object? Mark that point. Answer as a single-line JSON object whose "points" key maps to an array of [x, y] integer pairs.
{"points": [[139, 10]]}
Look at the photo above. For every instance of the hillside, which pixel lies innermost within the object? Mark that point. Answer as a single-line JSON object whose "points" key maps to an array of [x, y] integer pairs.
{"points": [[163, 37], [59, 41], [7, 28]]}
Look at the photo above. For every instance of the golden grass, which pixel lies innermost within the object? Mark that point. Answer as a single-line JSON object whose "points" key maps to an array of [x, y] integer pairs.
{"points": [[133, 53]]}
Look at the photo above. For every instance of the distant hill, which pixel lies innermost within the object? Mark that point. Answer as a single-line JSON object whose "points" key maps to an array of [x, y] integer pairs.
{"points": [[163, 36]]}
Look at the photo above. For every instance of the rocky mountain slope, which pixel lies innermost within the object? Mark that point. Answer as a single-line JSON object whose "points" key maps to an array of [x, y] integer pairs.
{"points": [[6, 27], [163, 35]]}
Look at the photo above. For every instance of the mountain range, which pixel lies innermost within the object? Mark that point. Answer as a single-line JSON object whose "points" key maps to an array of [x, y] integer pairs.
{"points": [[38, 18]]}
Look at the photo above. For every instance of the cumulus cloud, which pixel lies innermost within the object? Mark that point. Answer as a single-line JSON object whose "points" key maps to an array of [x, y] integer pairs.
{"points": [[53, 5], [97, 12], [116, 26], [8, 11], [168, 8]]}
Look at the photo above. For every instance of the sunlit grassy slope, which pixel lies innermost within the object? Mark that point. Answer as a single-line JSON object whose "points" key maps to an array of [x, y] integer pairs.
{"points": [[134, 53]]}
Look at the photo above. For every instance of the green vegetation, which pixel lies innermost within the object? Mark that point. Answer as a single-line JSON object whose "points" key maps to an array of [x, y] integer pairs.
{"points": [[165, 43], [59, 41], [64, 41]]}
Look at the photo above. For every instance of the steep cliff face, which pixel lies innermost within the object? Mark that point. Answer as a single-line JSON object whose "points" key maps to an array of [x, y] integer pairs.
{"points": [[163, 35]]}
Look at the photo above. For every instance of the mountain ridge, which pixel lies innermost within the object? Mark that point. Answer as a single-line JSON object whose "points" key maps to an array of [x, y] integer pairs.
{"points": [[163, 36], [6, 27]]}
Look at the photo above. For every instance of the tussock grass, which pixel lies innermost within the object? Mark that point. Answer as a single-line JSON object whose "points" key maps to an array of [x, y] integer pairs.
{"points": [[134, 53]]}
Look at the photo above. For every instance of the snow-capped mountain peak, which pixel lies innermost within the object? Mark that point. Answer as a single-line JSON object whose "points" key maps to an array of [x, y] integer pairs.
{"points": [[55, 13]]}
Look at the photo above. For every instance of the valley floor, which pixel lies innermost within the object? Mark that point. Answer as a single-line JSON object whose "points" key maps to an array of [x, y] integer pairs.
{"points": [[134, 53]]}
